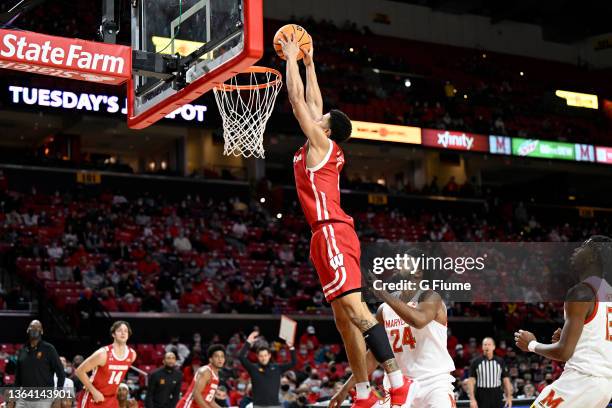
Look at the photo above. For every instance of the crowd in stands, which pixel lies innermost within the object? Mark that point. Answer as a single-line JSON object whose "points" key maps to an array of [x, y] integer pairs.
{"points": [[203, 255]]}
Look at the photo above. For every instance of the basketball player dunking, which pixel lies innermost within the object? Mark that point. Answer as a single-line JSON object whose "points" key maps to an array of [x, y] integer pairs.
{"points": [[334, 247], [416, 325], [201, 391], [110, 365], [585, 341]]}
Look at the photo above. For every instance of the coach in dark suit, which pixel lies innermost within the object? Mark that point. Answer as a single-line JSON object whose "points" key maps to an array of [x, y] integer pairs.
{"points": [[164, 387], [265, 375]]}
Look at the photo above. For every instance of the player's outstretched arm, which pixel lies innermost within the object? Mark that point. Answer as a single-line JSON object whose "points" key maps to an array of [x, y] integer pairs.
{"points": [[203, 379], [417, 317], [576, 311], [314, 100], [295, 88], [97, 359]]}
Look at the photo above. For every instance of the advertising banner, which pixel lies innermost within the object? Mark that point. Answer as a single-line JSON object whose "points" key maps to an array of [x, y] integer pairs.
{"points": [[585, 152], [543, 149], [604, 154], [386, 133], [448, 139], [65, 57], [500, 145]]}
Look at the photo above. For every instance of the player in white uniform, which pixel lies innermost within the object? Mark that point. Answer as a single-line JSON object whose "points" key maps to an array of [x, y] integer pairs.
{"points": [[416, 324], [585, 342]]}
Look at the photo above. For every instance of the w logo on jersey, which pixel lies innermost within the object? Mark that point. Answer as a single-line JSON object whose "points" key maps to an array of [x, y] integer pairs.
{"points": [[337, 261], [297, 158]]}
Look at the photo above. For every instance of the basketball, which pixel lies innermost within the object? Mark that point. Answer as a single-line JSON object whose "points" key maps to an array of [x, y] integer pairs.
{"points": [[304, 39]]}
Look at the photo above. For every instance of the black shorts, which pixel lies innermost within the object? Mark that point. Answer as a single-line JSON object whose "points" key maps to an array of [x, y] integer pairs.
{"points": [[489, 397]]}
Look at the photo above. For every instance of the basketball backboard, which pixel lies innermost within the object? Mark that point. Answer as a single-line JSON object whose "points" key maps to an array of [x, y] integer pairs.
{"points": [[211, 41]]}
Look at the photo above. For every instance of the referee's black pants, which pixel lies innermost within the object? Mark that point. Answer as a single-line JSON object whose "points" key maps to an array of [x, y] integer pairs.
{"points": [[489, 397]]}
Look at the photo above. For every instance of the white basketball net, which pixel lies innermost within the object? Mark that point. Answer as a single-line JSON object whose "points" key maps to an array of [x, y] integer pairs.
{"points": [[245, 110]]}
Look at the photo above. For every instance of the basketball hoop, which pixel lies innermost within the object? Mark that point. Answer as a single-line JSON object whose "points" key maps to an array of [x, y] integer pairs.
{"points": [[245, 103]]}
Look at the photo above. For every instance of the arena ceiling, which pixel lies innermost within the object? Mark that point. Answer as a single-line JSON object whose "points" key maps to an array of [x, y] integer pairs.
{"points": [[562, 21]]}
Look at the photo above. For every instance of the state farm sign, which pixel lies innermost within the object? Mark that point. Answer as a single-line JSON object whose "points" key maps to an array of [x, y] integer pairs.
{"points": [[64, 57], [446, 139]]}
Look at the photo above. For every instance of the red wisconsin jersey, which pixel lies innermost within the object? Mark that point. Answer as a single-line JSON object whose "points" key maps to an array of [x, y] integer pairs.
{"points": [[107, 378], [208, 393], [318, 188]]}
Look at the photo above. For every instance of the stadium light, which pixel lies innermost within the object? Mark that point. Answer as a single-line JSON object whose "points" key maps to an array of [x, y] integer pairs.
{"points": [[351, 49], [163, 165], [521, 73], [279, 216], [376, 70], [262, 200], [407, 83]]}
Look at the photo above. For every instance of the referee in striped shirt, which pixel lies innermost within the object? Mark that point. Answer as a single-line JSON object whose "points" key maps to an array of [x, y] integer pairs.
{"points": [[487, 373]]}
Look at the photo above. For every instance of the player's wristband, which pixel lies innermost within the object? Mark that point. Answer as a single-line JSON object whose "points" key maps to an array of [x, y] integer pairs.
{"points": [[532, 346]]}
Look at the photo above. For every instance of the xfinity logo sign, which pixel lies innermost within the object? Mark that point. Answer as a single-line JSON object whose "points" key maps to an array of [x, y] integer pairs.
{"points": [[445, 139], [455, 140], [91, 102]]}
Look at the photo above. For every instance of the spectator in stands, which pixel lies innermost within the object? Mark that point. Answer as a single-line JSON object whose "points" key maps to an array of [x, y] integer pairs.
{"points": [[151, 303], [68, 383], [37, 362], [181, 243], [148, 266], [464, 393], [30, 219], [221, 397], [309, 339], [55, 251], [529, 391], [123, 397], [180, 350], [451, 186], [169, 305], [164, 384], [265, 375]]}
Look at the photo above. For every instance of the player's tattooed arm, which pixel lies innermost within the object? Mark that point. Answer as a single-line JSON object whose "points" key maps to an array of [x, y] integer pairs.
{"points": [[417, 317], [578, 307]]}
